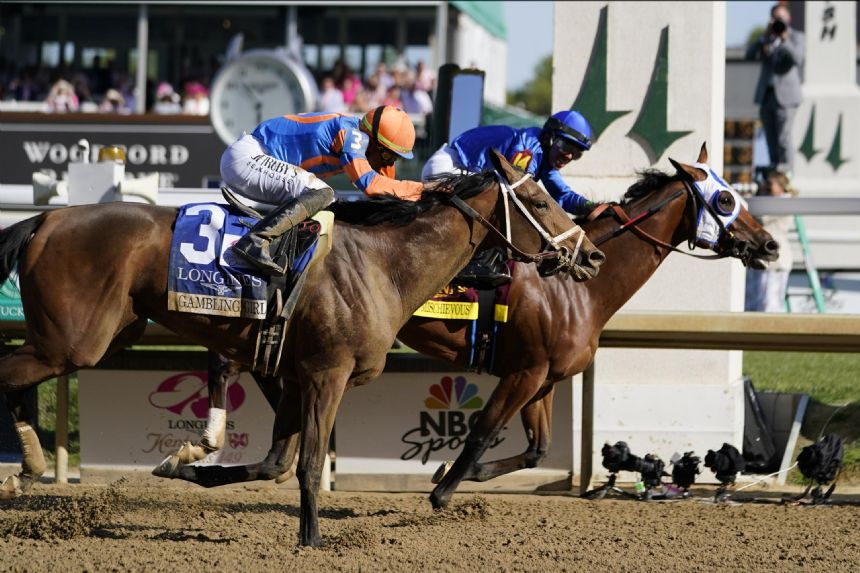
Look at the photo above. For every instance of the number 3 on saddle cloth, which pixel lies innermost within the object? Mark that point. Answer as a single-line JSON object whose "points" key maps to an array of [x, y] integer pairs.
{"points": [[205, 277], [485, 309]]}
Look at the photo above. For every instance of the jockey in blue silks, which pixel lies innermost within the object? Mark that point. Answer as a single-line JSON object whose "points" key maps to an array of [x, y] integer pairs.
{"points": [[540, 151]]}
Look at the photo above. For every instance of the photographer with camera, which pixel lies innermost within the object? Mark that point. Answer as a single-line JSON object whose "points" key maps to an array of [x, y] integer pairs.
{"points": [[782, 50]]}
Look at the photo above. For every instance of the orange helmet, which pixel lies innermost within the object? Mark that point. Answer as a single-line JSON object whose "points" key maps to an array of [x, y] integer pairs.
{"points": [[392, 128]]}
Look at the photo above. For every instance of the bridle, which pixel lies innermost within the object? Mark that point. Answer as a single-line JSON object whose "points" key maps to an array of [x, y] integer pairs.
{"points": [[731, 245], [565, 258]]}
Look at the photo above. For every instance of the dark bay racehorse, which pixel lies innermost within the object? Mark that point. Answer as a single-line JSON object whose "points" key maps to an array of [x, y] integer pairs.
{"points": [[554, 325], [91, 276]]}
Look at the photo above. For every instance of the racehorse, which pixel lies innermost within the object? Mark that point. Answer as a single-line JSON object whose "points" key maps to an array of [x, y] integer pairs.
{"points": [[91, 276], [554, 325]]}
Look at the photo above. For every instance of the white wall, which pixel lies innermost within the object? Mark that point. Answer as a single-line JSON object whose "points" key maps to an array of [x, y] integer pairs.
{"points": [[475, 47], [659, 401]]}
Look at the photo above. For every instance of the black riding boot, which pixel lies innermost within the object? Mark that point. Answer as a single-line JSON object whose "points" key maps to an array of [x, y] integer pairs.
{"points": [[254, 246], [487, 269]]}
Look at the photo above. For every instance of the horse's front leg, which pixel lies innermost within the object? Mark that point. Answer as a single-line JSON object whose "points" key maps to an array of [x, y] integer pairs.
{"points": [[320, 400], [221, 373], [537, 423], [512, 394], [33, 461]]}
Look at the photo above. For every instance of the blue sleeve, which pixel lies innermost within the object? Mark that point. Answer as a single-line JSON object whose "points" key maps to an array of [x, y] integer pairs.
{"points": [[570, 200]]}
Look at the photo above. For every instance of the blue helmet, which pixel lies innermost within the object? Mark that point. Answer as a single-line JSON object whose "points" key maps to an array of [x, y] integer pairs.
{"points": [[570, 125]]}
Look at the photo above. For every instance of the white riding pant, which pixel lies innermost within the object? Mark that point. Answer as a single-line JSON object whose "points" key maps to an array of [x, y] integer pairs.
{"points": [[445, 160], [249, 169]]}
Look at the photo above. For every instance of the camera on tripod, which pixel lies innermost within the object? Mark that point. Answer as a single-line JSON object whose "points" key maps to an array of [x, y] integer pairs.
{"points": [[618, 458]]}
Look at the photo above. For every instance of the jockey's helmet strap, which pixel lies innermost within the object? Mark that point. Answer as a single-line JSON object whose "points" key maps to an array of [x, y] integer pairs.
{"points": [[377, 119]]}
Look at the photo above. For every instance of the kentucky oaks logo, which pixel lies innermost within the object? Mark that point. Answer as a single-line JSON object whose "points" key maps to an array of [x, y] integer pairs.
{"points": [[187, 392], [452, 408], [186, 395]]}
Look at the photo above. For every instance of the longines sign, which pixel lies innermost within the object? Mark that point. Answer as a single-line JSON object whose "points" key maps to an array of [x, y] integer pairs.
{"points": [[184, 151]]}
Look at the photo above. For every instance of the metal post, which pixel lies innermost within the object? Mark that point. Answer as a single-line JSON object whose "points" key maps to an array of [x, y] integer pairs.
{"points": [[61, 470], [293, 30], [587, 431], [811, 271], [441, 53], [142, 49]]}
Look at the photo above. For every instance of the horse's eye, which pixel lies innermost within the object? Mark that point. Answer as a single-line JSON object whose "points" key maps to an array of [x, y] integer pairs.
{"points": [[725, 202], [541, 205]]}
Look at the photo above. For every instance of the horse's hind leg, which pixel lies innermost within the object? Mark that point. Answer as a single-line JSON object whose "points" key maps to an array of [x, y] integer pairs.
{"points": [[537, 423], [511, 395], [279, 459], [33, 462], [221, 373]]}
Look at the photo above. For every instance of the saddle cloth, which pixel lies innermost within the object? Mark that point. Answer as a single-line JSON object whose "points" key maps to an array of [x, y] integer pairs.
{"points": [[485, 309], [456, 302], [205, 277]]}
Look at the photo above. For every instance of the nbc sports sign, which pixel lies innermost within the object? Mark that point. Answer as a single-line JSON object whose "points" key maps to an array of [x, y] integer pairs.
{"points": [[395, 432]]}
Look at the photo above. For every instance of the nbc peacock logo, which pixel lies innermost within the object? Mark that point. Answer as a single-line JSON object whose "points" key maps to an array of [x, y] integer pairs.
{"points": [[453, 405], [465, 394]]}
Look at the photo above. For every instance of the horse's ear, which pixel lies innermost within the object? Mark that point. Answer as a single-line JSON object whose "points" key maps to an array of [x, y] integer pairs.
{"points": [[688, 171], [703, 153], [501, 164]]}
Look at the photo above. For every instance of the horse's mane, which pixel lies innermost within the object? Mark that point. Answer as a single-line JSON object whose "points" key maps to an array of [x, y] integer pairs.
{"points": [[649, 181], [398, 212]]}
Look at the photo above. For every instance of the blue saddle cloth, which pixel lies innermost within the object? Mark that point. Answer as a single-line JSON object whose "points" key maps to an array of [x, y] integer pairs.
{"points": [[204, 276]]}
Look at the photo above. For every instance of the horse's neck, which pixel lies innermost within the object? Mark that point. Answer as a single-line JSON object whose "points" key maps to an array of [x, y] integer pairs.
{"points": [[630, 262]]}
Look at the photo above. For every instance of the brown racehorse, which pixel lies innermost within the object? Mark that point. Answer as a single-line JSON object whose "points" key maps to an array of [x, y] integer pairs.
{"points": [[554, 325], [91, 276]]}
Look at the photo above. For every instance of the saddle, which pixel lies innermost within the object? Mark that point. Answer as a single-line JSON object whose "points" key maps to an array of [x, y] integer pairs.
{"points": [[297, 250]]}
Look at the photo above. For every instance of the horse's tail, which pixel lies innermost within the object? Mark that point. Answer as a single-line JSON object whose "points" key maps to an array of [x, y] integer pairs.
{"points": [[13, 242]]}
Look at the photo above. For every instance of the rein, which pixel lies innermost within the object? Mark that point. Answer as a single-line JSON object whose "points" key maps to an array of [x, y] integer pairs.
{"points": [[632, 223], [562, 253]]}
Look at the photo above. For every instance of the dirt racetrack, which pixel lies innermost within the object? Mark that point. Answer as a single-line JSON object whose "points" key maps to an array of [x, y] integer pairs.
{"points": [[133, 528]]}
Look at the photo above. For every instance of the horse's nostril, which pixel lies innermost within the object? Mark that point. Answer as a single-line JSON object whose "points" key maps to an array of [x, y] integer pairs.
{"points": [[596, 258], [771, 247]]}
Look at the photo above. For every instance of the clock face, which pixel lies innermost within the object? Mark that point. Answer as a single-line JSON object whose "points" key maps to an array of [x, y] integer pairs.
{"points": [[254, 88]]}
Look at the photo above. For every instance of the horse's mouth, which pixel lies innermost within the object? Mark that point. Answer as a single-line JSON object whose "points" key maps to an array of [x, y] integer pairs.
{"points": [[757, 263]]}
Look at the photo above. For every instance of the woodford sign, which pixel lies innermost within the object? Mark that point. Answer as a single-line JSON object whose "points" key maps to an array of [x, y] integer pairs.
{"points": [[184, 150]]}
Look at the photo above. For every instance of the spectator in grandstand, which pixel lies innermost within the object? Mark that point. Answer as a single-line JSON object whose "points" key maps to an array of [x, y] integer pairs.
{"points": [[331, 98], [196, 100], [263, 166], [424, 78], [62, 97], [167, 101], [113, 102], [766, 290]]}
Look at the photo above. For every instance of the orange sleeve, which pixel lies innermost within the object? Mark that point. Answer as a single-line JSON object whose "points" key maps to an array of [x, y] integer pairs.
{"points": [[372, 183]]}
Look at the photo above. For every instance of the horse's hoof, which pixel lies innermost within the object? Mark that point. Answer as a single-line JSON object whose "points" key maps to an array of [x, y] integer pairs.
{"points": [[441, 472], [438, 502], [11, 488], [168, 467], [285, 476]]}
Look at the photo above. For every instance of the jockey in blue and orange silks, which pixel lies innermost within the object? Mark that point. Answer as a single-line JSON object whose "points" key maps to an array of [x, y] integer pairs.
{"points": [[285, 159]]}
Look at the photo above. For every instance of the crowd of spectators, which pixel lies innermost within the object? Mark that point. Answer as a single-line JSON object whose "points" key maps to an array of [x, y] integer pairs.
{"points": [[98, 89], [342, 90], [101, 88]]}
